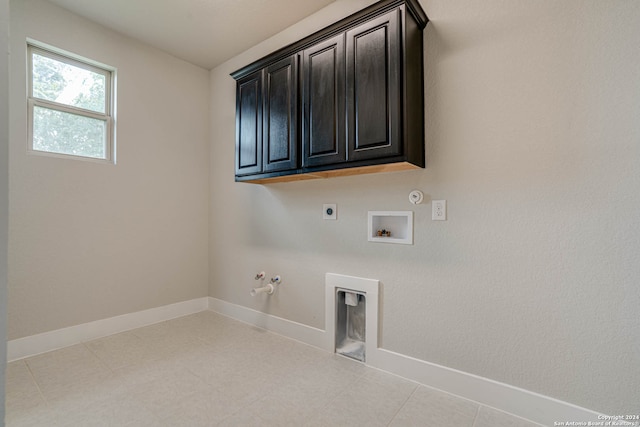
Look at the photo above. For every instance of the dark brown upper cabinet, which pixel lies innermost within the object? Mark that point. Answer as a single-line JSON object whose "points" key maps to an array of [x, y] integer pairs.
{"points": [[323, 91], [373, 88], [267, 119], [280, 134], [249, 124], [346, 100]]}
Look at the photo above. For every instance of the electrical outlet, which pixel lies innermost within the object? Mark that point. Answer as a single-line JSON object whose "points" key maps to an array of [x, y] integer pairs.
{"points": [[439, 210], [329, 211]]}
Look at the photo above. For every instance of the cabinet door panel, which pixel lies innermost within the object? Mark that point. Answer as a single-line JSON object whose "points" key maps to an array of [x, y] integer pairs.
{"points": [[323, 103], [249, 124], [373, 88], [280, 115]]}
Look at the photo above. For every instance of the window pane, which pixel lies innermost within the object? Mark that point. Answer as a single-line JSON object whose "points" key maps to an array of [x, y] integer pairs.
{"points": [[65, 133], [67, 84]]}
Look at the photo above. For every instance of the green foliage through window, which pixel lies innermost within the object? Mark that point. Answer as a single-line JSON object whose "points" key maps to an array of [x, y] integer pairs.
{"points": [[69, 106], [65, 133]]}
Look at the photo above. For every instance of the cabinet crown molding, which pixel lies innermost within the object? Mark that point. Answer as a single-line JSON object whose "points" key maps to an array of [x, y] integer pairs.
{"points": [[413, 7]]}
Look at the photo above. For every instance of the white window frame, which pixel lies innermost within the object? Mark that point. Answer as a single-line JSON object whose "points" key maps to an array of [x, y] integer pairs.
{"points": [[87, 64]]}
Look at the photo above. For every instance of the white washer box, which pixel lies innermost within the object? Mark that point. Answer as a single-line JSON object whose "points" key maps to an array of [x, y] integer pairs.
{"points": [[398, 223]]}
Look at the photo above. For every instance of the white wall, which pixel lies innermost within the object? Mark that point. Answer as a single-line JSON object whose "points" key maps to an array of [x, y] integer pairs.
{"points": [[4, 189], [90, 241], [533, 138]]}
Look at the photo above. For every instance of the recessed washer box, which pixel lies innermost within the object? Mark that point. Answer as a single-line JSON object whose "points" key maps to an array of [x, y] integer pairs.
{"points": [[391, 227]]}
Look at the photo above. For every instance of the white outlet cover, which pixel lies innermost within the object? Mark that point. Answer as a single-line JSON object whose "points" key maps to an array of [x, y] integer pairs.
{"points": [[330, 211], [439, 210]]}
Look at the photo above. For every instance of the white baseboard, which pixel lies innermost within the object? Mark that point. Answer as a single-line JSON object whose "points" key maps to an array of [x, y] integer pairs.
{"points": [[504, 397], [278, 325], [52, 340]]}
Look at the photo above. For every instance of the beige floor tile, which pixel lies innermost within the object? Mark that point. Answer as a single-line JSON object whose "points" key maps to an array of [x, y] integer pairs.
{"points": [[161, 395], [147, 371], [21, 389], [21, 402], [300, 395], [312, 388], [41, 416], [17, 373], [173, 346], [428, 407], [209, 370], [243, 418], [202, 409], [67, 371], [488, 417], [111, 410], [372, 400], [22, 394], [207, 326], [74, 357], [121, 350]]}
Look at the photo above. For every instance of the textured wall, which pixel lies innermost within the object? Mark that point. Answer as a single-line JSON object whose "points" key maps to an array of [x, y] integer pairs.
{"points": [[90, 241], [533, 139]]}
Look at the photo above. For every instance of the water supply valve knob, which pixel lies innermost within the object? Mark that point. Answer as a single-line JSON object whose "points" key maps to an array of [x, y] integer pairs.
{"points": [[416, 197], [276, 280]]}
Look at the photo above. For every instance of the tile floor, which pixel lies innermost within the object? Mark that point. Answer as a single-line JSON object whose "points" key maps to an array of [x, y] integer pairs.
{"points": [[209, 370]]}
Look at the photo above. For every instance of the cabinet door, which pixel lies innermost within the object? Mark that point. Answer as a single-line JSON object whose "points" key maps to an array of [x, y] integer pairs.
{"points": [[374, 88], [249, 124], [323, 127], [280, 134]]}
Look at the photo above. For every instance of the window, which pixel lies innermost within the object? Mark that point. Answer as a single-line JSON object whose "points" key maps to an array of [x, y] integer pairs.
{"points": [[70, 106]]}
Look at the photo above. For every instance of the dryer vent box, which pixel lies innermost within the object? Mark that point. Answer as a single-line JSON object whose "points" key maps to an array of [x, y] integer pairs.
{"points": [[350, 323]]}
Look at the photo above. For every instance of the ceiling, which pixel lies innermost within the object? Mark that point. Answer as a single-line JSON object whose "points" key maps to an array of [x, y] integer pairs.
{"points": [[203, 32]]}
